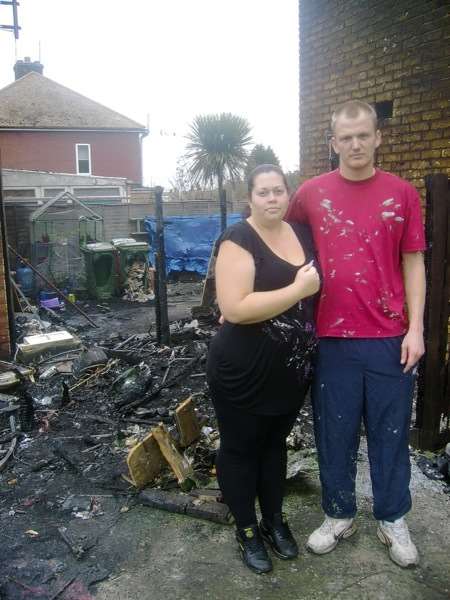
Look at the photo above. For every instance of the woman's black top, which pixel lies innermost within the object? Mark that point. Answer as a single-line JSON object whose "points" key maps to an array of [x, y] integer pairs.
{"points": [[265, 368]]}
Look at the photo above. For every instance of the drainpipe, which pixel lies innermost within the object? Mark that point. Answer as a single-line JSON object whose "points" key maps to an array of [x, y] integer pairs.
{"points": [[141, 137]]}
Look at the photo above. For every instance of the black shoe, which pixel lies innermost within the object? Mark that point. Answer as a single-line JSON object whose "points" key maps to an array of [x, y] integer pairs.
{"points": [[252, 549], [277, 534]]}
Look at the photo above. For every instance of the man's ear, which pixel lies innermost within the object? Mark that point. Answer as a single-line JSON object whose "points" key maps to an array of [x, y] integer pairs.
{"points": [[333, 144], [378, 138]]}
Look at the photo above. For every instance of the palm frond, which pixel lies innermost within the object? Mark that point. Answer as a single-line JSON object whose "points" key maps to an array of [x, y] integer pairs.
{"points": [[216, 147]]}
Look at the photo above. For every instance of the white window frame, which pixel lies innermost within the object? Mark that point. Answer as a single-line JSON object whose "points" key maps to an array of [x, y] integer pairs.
{"points": [[78, 163]]}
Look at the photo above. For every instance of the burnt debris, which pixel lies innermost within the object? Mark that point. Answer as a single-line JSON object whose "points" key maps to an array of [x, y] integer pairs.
{"points": [[93, 424]]}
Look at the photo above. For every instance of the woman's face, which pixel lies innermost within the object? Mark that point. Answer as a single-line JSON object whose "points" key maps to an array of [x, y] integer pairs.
{"points": [[269, 198]]}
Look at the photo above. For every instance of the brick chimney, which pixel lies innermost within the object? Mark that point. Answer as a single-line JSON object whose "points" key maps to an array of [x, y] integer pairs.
{"points": [[22, 67]]}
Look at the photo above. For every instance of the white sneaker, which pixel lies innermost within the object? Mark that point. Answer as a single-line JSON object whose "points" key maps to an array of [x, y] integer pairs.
{"points": [[326, 537], [396, 537]]}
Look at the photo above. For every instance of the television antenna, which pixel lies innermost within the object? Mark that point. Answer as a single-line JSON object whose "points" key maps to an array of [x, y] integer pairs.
{"points": [[15, 26]]}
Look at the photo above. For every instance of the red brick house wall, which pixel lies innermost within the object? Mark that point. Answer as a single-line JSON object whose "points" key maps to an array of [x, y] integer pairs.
{"points": [[378, 51], [113, 154]]}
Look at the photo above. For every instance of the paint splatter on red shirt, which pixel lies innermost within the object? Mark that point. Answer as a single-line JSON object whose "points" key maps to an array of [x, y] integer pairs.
{"points": [[361, 229]]}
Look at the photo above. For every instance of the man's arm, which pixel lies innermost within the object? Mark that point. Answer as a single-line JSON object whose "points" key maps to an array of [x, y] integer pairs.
{"points": [[414, 279]]}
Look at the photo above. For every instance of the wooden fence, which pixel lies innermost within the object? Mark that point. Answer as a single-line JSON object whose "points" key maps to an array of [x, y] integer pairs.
{"points": [[432, 426]]}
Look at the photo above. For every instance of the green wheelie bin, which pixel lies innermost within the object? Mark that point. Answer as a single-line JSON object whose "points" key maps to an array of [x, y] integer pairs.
{"points": [[101, 270]]}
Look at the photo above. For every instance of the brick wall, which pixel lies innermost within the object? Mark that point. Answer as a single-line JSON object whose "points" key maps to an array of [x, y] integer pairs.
{"points": [[378, 50], [113, 154], [4, 323]]}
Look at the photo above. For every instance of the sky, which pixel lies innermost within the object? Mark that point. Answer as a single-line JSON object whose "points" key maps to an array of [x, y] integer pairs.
{"points": [[163, 62]]}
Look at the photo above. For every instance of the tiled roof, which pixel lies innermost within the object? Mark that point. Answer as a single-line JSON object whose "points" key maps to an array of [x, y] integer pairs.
{"points": [[36, 102]]}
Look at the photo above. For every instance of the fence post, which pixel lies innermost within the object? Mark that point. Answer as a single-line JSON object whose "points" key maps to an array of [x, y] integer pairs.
{"points": [[162, 316], [223, 209], [433, 392]]}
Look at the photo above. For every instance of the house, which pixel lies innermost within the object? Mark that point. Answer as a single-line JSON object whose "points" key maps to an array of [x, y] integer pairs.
{"points": [[52, 141], [391, 54], [45, 126]]}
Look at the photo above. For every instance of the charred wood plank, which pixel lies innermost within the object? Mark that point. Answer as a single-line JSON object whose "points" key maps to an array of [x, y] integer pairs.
{"points": [[145, 461], [187, 422], [169, 501], [211, 511], [182, 504], [177, 461]]}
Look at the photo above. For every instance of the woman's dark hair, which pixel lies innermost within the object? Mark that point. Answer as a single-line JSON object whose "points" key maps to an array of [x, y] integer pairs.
{"points": [[264, 169]]}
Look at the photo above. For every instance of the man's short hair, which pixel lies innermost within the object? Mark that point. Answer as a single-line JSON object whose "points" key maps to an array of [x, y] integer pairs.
{"points": [[351, 109]]}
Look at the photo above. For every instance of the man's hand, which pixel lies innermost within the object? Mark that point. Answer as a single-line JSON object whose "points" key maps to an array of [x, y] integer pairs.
{"points": [[413, 348]]}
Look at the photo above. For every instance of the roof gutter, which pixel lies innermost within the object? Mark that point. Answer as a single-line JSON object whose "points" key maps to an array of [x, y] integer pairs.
{"points": [[142, 131]]}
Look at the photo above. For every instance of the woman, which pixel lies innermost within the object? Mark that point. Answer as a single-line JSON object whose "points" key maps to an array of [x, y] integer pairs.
{"points": [[260, 361]]}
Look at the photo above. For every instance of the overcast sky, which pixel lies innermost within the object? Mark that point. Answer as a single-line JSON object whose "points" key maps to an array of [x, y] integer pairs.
{"points": [[167, 61]]}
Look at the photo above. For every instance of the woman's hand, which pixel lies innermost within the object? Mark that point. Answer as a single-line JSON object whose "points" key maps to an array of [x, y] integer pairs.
{"points": [[239, 303], [308, 280]]}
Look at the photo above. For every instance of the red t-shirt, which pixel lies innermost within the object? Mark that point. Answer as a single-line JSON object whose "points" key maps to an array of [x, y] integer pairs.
{"points": [[361, 229]]}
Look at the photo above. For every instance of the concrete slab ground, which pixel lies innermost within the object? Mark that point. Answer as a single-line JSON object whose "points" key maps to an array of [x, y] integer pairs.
{"points": [[171, 557]]}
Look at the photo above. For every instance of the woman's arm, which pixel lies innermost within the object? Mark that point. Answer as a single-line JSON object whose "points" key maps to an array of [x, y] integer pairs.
{"points": [[238, 303]]}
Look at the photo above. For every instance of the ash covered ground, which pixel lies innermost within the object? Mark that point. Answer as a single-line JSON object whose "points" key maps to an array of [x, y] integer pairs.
{"points": [[64, 493], [63, 490]]}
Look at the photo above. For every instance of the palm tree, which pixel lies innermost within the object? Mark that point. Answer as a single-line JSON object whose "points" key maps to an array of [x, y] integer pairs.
{"points": [[217, 150]]}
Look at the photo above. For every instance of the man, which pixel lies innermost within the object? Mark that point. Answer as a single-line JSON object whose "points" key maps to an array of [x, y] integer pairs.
{"points": [[368, 231]]}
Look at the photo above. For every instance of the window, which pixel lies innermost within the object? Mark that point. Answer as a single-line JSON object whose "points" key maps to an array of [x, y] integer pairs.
{"points": [[83, 152], [384, 109], [53, 192], [98, 195], [98, 191], [16, 193], [139, 227]]}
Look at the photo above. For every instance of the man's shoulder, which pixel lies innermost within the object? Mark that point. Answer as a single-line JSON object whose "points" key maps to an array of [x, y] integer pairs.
{"points": [[394, 181], [319, 181]]}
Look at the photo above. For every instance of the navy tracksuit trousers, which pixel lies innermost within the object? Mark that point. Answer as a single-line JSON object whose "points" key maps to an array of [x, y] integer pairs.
{"points": [[362, 379]]}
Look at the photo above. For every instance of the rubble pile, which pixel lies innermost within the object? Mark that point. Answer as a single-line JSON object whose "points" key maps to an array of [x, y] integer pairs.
{"points": [[138, 284], [436, 466], [69, 419]]}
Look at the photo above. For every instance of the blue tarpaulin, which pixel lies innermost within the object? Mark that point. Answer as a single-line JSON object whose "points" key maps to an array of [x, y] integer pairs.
{"points": [[188, 240]]}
